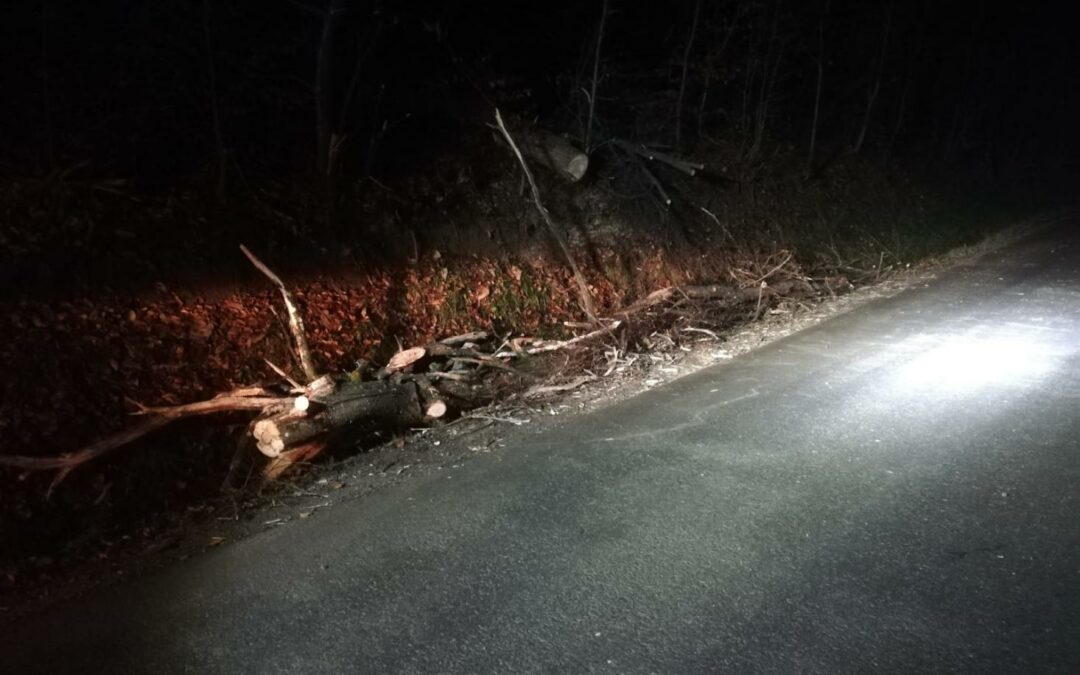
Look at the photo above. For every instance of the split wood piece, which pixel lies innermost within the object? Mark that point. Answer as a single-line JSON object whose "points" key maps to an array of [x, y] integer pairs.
{"points": [[583, 286], [465, 338], [554, 152], [296, 322], [381, 402], [687, 167], [301, 453], [405, 358]]}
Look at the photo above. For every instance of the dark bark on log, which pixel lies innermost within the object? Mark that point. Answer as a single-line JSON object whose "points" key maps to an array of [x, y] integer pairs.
{"points": [[463, 394], [686, 166], [380, 402]]}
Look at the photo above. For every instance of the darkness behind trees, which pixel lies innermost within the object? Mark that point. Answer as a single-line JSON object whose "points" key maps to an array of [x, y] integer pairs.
{"points": [[224, 95]]}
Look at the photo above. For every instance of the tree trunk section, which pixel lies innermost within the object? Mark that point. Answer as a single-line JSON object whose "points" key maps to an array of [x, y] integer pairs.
{"points": [[555, 153], [381, 402]]}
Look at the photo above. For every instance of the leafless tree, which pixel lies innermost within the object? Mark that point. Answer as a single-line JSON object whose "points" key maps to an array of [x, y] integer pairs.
{"points": [[595, 75], [875, 80], [685, 70], [220, 151], [817, 89]]}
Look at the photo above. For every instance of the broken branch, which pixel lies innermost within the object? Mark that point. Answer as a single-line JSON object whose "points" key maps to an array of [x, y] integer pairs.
{"points": [[685, 166], [296, 322]]}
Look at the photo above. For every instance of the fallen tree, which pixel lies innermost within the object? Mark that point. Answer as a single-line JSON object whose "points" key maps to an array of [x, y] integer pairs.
{"points": [[418, 386]]}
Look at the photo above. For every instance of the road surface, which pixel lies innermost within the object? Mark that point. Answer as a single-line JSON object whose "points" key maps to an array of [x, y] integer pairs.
{"points": [[895, 490]]}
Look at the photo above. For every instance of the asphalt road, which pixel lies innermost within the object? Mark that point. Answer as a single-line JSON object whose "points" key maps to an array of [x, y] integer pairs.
{"points": [[895, 490]]}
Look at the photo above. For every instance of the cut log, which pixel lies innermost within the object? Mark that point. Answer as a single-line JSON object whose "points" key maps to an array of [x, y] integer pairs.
{"points": [[382, 402], [432, 400], [555, 153]]}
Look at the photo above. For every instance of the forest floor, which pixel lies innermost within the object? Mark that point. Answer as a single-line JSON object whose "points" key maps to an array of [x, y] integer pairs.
{"points": [[118, 298]]}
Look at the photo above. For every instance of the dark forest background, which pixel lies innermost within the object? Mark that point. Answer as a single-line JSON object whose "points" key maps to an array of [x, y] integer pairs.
{"points": [[226, 94]]}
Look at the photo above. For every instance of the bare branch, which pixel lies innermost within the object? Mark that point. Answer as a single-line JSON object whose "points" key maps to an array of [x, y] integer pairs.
{"points": [[296, 323]]}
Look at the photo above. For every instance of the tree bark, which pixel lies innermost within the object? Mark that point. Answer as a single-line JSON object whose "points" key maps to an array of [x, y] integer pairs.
{"points": [[381, 402]]}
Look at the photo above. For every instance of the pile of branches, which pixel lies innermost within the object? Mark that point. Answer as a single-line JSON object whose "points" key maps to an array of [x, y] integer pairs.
{"points": [[293, 421], [296, 419]]}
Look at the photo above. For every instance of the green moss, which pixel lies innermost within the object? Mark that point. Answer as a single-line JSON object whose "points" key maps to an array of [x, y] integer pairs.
{"points": [[455, 306], [515, 305]]}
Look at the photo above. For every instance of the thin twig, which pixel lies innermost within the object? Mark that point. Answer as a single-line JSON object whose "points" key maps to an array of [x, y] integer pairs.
{"points": [[509, 420], [774, 270], [285, 376], [716, 220]]}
